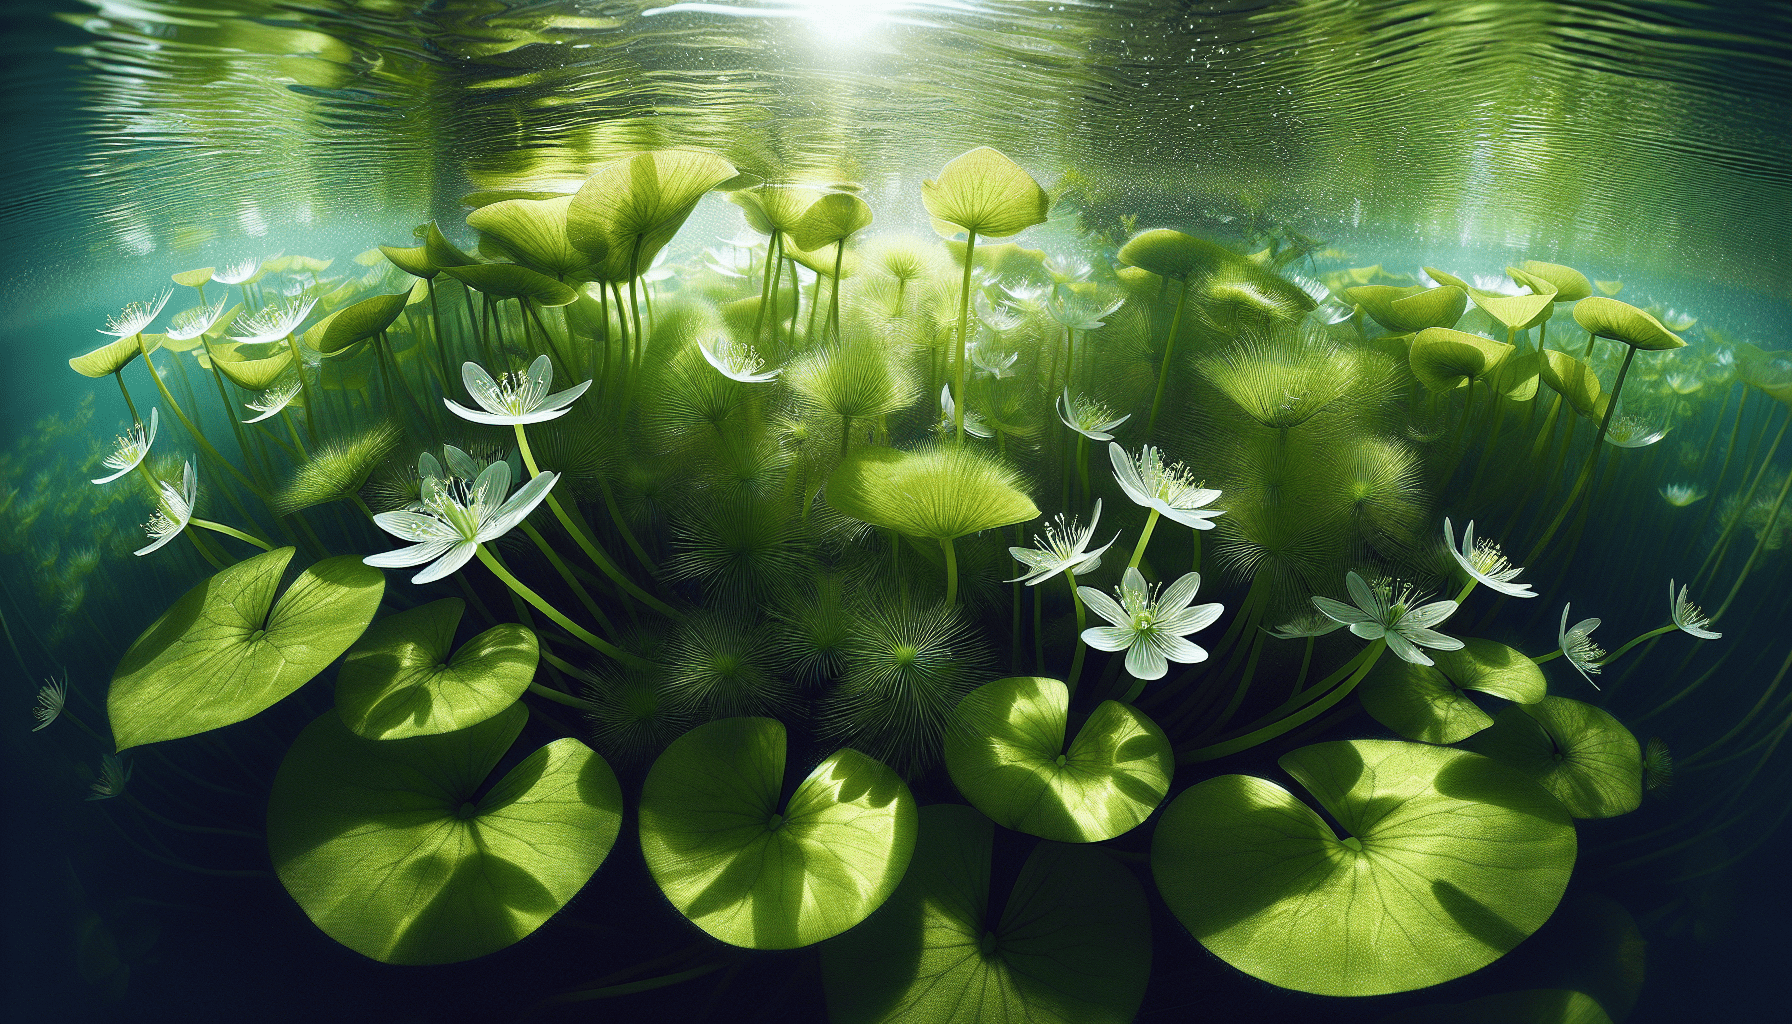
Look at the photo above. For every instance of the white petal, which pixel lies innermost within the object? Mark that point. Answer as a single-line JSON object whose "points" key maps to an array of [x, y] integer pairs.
{"points": [[414, 526], [1338, 611], [416, 554], [490, 488], [535, 388], [518, 507], [1177, 649], [1195, 519], [457, 556], [1102, 605], [1428, 614], [1109, 638], [1178, 594], [1191, 620], [482, 387], [1132, 587], [1145, 661], [1369, 630], [1362, 595], [561, 400], [1428, 638], [1127, 475], [158, 542], [496, 419], [460, 463], [1406, 651]]}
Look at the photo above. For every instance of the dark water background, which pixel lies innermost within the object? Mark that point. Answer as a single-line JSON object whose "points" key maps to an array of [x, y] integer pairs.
{"points": [[1648, 142]]}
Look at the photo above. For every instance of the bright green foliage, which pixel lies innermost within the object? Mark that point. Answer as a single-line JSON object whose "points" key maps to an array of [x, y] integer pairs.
{"points": [[1428, 703], [1169, 253], [1410, 309], [1072, 946], [414, 262], [532, 232], [1578, 752], [399, 680], [1570, 284], [337, 469], [1444, 359], [939, 492], [226, 650], [384, 847], [113, 356], [1574, 380], [833, 217], [1620, 321], [440, 252], [509, 281], [251, 374], [1450, 861], [354, 324], [1010, 762], [856, 377], [627, 211], [755, 874], [985, 192]]}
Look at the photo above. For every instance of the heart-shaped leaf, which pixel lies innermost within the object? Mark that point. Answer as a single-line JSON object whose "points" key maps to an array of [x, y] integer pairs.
{"points": [[1429, 704], [1451, 860], [940, 492], [113, 356], [251, 374], [226, 650], [354, 324], [1620, 321], [832, 218], [399, 681], [440, 252], [753, 875], [1072, 944], [532, 232], [629, 209], [387, 846], [1010, 762], [1444, 359], [1580, 753], [509, 281], [985, 192]]}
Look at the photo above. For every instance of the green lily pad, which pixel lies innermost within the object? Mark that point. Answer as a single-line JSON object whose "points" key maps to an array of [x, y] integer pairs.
{"points": [[939, 492], [226, 650], [1533, 1006], [1010, 762], [1072, 944], [510, 281], [113, 356], [399, 681], [414, 262], [753, 875], [1570, 284], [832, 218], [1574, 380], [1169, 253], [1444, 359], [1520, 312], [251, 374], [442, 253], [1428, 703], [532, 232], [1578, 752], [1605, 317], [1451, 860], [771, 209], [193, 278], [630, 208], [985, 192], [1410, 309], [354, 324], [389, 848], [1517, 376]]}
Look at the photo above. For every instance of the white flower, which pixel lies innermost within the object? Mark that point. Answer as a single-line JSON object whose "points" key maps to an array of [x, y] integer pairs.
{"points": [[984, 357], [1065, 269], [1687, 615], [1684, 383], [1078, 312], [736, 361], [1088, 417], [729, 261], [1168, 489], [973, 422], [1150, 630], [1380, 615], [114, 773], [1026, 295], [1630, 432], [273, 322], [136, 316], [1578, 647], [1682, 495], [52, 697], [514, 398], [1485, 562], [238, 272], [996, 318], [1302, 626], [270, 402], [174, 512], [191, 323], [130, 448], [457, 517], [1062, 546]]}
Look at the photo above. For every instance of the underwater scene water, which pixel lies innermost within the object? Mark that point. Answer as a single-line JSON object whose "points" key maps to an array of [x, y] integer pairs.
{"points": [[897, 510]]}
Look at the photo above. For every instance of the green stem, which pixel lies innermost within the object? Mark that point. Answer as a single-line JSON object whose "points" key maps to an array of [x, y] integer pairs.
{"points": [[1619, 653], [1163, 373], [1586, 472], [1760, 544], [231, 531], [1299, 718], [1715, 557], [964, 315], [118, 375], [555, 695], [311, 406], [567, 576], [1138, 550], [206, 551], [951, 570], [1076, 661], [541, 605]]}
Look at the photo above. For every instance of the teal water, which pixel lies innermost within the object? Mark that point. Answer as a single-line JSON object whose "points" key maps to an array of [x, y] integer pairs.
{"points": [[1636, 144]]}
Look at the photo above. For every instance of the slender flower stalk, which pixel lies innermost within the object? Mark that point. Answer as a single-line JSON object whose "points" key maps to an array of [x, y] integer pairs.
{"points": [[1165, 490], [130, 449]]}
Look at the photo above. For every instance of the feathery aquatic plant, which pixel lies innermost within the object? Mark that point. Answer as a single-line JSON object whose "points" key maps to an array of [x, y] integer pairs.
{"points": [[720, 664], [339, 468]]}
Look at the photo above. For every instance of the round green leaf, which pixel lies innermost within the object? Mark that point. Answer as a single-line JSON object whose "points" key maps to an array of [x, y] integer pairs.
{"points": [[985, 192], [112, 356], [533, 232], [1072, 944], [1444, 359], [193, 278], [832, 218], [354, 324], [1573, 379], [940, 492], [1620, 321], [386, 849], [251, 374], [440, 252], [1578, 752], [226, 650], [1533, 1006], [752, 875], [510, 281], [1428, 704], [630, 208], [1519, 312], [414, 262], [1516, 376], [1450, 861], [1406, 310], [774, 208], [1010, 762], [1169, 253], [1569, 283], [399, 681]]}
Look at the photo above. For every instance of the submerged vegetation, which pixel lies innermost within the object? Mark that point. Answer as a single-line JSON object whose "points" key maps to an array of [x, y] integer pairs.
{"points": [[780, 511]]}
